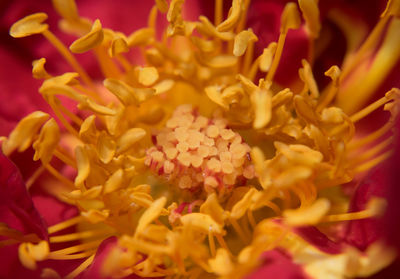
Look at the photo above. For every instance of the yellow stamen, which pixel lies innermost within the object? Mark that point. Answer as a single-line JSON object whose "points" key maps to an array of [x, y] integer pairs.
{"points": [[54, 104], [211, 243], [76, 248], [372, 163], [59, 176], [374, 150], [218, 10], [63, 225], [34, 176], [371, 137], [79, 235], [61, 154], [239, 230], [290, 19], [68, 56], [370, 108], [80, 268]]}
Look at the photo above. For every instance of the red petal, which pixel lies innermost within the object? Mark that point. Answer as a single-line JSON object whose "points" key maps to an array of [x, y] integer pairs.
{"points": [[361, 233], [278, 265], [93, 271], [318, 239], [15, 202]]}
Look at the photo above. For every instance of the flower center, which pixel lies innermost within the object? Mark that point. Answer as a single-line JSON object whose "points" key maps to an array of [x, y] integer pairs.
{"points": [[194, 151]]}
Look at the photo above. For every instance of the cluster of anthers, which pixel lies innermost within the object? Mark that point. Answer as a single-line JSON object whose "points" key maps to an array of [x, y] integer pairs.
{"points": [[298, 146]]}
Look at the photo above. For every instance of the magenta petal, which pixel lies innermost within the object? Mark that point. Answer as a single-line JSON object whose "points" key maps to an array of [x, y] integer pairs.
{"points": [[361, 233], [278, 265], [265, 19], [16, 204], [93, 272], [318, 239]]}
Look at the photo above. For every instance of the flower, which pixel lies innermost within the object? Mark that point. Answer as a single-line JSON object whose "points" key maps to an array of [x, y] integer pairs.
{"points": [[194, 154]]}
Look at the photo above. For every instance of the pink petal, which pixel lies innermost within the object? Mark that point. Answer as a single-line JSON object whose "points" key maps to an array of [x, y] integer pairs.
{"points": [[278, 265], [361, 233], [265, 18], [94, 271], [16, 204], [392, 214], [18, 89], [318, 239]]}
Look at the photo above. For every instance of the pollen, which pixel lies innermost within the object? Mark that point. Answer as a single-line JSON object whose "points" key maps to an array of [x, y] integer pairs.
{"points": [[200, 147]]}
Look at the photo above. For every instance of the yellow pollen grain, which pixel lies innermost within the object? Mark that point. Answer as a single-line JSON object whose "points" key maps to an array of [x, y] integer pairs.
{"points": [[185, 121], [214, 165], [212, 131], [227, 134], [220, 123], [222, 145], [184, 158], [237, 139], [203, 151], [172, 123], [167, 145], [197, 161], [171, 153], [238, 150], [227, 167], [193, 142], [225, 156], [157, 156], [181, 134], [171, 137], [208, 141], [213, 151], [182, 147], [200, 122]]}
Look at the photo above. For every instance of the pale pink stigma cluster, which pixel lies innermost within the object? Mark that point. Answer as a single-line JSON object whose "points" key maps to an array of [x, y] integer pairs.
{"points": [[194, 151]]}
